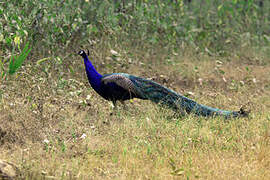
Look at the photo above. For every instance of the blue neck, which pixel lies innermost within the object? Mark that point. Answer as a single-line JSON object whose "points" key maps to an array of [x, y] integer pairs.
{"points": [[93, 76]]}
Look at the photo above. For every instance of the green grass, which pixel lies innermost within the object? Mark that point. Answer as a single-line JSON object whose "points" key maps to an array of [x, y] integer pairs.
{"points": [[16, 61]]}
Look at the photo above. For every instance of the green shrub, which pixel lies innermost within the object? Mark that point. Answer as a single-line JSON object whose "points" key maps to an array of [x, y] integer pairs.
{"points": [[212, 25]]}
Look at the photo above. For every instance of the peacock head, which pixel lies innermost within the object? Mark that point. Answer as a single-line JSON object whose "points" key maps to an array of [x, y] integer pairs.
{"points": [[83, 54]]}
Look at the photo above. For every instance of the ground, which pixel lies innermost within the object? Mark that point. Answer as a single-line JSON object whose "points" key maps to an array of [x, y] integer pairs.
{"points": [[54, 125]]}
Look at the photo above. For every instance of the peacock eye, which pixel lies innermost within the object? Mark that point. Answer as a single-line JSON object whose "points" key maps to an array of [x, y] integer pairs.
{"points": [[81, 52]]}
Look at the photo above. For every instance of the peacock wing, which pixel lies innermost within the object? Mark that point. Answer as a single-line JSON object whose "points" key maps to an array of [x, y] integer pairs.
{"points": [[121, 80]]}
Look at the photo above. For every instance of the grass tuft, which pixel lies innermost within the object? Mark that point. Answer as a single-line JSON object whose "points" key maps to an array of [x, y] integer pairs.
{"points": [[16, 61]]}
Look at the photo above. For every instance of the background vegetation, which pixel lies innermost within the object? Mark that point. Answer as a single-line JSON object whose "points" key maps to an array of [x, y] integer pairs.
{"points": [[216, 52], [210, 25]]}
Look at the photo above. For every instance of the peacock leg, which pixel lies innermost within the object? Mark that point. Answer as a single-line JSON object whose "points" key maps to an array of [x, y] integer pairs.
{"points": [[114, 105], [114, 108], [124, 104]]}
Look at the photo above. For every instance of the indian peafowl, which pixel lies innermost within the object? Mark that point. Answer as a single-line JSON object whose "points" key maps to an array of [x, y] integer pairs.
{"points": [[121, 87]]}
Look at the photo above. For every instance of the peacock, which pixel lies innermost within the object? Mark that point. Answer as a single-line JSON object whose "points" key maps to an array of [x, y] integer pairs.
{"points": [[121, 86]]}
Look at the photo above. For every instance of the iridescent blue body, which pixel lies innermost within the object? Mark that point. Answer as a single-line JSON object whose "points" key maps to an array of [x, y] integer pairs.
{"points": [[121, 86], [110, 91]]}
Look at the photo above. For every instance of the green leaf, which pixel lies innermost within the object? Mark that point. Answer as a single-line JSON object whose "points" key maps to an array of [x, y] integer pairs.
{"points": [[17, 61], [42, 60]]}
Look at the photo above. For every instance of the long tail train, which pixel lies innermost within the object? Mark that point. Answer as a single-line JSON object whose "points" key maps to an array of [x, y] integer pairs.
{"points": [[157, 93]]}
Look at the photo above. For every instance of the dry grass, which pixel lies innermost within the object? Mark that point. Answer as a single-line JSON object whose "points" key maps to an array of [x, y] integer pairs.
{"points": [[49, 102]]}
